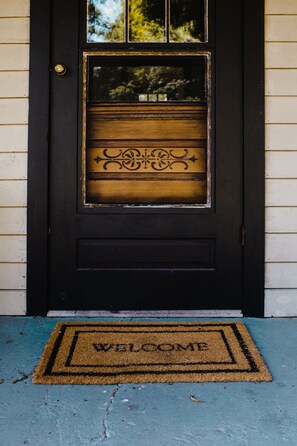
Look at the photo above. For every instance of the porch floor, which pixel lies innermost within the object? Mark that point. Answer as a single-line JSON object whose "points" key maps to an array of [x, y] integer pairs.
{"points": [[252, 414]]}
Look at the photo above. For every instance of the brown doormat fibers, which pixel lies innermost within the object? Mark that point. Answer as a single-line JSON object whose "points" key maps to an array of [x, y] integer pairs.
{"points": [[131, 352]]}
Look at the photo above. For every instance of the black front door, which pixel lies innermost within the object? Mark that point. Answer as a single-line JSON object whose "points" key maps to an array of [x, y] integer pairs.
{"points": [[146, 155]]}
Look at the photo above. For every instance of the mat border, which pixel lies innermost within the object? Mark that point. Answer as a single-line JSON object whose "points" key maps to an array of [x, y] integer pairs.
{"points": [[258, 372]]}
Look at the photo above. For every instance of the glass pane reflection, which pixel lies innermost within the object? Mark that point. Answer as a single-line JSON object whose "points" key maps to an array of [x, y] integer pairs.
{"points": [[187, 21], [106, 21], [154, 80], [147, 21]]}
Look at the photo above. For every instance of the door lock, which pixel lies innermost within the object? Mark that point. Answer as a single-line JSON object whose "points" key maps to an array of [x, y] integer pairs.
{"points": [[60, 69]]}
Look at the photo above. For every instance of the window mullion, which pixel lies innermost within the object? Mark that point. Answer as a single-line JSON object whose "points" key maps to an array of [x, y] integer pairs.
{"points": [[126, 21], [167, 19]]}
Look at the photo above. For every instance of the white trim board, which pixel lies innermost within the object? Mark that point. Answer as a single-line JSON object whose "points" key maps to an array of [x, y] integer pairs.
{"points": [[162, 313]]}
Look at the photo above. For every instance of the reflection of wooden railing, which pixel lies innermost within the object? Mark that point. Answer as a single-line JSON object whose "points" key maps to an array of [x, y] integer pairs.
{"points": [[146, 153]]}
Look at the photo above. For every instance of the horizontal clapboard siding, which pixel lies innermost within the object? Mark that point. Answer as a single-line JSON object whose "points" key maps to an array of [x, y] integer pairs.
{"points": [[281, 157], [14, 84], [13, 302], [280, 7], [281, 192], [281, 220], [13, 193], [281, 247], [281, 302], [281, 275], [14, 90], [13, 249], [12, 8], [280, 28], [280, 55], [13, 220], [14, 57], [13, 138], [13, 275], [281, 110], [281, 136], [281, 164], [281, 83], [14, 30]]}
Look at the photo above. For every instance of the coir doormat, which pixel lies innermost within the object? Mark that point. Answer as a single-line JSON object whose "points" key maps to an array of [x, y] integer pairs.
{"points": [[128, 352]]}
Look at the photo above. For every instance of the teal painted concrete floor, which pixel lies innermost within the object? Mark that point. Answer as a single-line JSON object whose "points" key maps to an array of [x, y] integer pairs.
{"points": [[249, 414]]}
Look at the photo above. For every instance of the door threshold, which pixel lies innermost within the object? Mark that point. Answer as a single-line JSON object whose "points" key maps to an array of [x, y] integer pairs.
{"points": [[147, 313]]}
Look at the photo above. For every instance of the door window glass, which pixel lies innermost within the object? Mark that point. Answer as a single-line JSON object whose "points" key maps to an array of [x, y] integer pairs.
{"points": [[187, 21], [146, 129], [157, 80], [106, 21], [146, 21]]}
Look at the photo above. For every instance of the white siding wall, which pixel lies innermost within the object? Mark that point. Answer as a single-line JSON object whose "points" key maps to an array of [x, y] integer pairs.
{"points": [[14, 76], [281, 157]]}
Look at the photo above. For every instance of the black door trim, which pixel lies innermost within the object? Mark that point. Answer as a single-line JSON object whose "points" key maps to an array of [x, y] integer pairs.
{"points": [[38, 158], [38, 164], [254, 161]]}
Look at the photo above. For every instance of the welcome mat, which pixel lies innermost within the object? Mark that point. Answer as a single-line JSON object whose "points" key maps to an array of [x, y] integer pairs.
{"points": [[131, 352]]}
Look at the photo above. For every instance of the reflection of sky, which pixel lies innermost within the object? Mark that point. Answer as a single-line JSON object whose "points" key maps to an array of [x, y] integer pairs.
{"points": [[110, 11]]}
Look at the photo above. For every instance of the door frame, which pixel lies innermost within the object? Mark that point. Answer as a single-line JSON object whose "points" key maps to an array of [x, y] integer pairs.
{"points": [[253, 148]]}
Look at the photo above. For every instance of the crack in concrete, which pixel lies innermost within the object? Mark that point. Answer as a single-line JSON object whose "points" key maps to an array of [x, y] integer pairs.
{"points": [[24, 376], [105, 434]]}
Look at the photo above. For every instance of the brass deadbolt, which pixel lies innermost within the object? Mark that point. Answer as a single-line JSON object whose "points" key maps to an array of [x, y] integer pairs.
{"points": [[60, 69]]}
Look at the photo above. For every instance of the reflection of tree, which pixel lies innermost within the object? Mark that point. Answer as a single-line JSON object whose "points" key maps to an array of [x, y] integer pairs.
{"points": [[124, 92], [146, 20], [157, 80], [184, 25], [126, 83], [106, 20], [93, 18]]}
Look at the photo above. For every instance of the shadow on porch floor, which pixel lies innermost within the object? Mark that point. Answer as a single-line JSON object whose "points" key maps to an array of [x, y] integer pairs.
{"points": [[249, 414]]}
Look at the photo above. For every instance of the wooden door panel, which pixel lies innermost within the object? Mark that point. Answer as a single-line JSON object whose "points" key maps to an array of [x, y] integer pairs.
{"points": [[173, 170], [138, 122], [146, 191]]}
